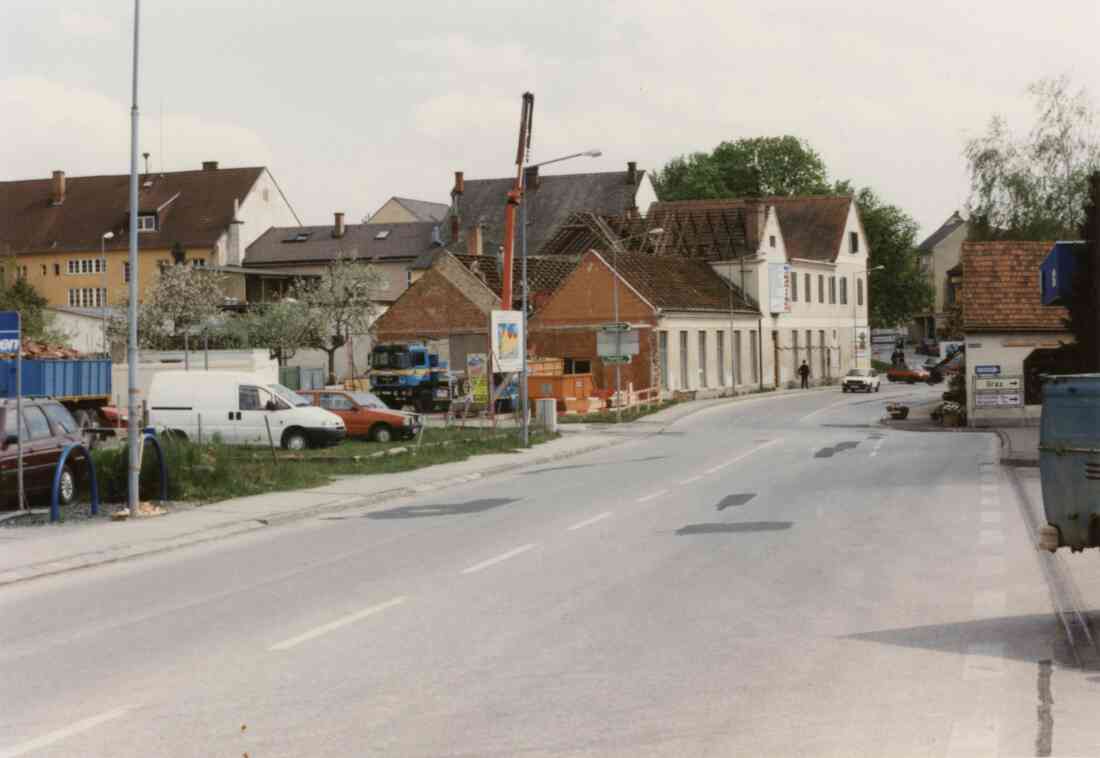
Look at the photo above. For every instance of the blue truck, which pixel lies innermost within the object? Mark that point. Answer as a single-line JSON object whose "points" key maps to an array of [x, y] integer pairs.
{"points": [[409, 374], [81, 385]]}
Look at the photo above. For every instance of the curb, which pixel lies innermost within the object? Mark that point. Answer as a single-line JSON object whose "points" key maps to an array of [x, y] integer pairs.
{"points": [[258, 523]]}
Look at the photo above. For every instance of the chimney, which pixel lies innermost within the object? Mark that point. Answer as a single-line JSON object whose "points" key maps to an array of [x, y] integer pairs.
{"points": [[57, 188], [460, 184], [456, 201], [474, 240], [338, 224], [531, 178], [632, 173], [756, 214], [209, 165]]}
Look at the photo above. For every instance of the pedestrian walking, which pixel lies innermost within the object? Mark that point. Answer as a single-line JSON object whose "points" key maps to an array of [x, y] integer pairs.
{"points": [[804, 372]]}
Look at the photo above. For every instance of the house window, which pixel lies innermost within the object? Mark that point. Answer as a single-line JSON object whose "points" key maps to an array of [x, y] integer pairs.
{"points": [[821, 288], [737, 357], [198, 263], [147, 222], [794, 349], [702, 359], [21, 272], [859, 292], [809, 288], [125, 272], [824, 351], [578, 365], [44, 269], [832, 290], [57, 269], [853, 242], [683, 360], [844, 290], [794, 288], [771, 241], [88, 297], [662, 348], [73, 266], [720, 336]]}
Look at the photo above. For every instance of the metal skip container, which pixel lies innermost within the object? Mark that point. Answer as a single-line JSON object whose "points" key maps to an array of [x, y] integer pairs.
{"points": [[1069, 462]]}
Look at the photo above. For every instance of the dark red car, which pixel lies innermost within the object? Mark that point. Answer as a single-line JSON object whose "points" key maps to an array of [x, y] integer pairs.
{"points": [[48, 428]]}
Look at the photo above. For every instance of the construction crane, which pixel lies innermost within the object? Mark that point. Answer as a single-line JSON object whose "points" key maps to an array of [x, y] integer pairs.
{"points": [[515, 197]]}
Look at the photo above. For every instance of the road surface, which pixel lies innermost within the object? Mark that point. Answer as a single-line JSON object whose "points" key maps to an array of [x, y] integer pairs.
{"points": [[779, 576]]}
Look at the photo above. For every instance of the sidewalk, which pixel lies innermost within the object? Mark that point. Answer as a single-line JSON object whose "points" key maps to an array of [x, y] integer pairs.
{"points": [[32, 552], [1019, 445]]}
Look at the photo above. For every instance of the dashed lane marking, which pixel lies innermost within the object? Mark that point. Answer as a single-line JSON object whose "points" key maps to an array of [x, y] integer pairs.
{"points": [[63, 734], [334, 625], [743, 456], [692, 479], [652, 496], [499, 559], [590, 521]]}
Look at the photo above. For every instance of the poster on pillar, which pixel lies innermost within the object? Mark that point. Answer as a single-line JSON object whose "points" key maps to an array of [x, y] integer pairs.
{"points": [[506, 330], [779, 288]]}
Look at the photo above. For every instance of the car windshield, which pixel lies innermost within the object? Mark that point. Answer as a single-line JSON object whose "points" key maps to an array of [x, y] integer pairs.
{"points": [[859, 372], [390, 359], [367, 400], [288, 395]]}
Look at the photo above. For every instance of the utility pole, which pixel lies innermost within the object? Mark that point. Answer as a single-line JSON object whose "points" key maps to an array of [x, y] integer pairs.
{"points": [[134, 421]]}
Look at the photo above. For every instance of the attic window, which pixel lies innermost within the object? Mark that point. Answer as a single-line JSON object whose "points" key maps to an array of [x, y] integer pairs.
{"points": [[147, 222], [298, 237], [382, 234]]}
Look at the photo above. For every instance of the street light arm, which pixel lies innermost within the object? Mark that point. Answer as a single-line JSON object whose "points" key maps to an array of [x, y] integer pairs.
{"points": [[585, 154]]}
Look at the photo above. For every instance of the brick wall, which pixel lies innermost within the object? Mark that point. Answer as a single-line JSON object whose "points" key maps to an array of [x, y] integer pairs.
{"points": [[585, 297], [433, 307]]}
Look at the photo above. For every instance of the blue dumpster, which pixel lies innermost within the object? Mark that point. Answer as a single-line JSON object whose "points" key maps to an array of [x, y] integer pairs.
{"points": [[1069, 458]]}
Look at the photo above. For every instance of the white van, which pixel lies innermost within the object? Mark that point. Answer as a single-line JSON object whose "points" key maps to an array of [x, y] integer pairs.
{"points": [[234, 406]]}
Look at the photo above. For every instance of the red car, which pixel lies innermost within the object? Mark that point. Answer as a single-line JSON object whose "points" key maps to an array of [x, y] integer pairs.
{"points": [[48, 428], [906, 374], [365, 415]]}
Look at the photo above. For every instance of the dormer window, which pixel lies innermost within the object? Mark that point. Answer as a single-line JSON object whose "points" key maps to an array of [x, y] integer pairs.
{"points": [[147, 222], [853, 242]]}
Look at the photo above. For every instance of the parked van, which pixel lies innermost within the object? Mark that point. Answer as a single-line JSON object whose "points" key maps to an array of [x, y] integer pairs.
{"points": [[238, 407]]}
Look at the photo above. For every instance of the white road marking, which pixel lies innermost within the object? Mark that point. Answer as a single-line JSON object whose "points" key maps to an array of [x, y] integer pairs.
{"points": [[655, 495], [742, 457], [692, 479], [499, 559], [878, 446], [334, 625], [827, 407], [62, 734], [590, 521], [984, 660]]}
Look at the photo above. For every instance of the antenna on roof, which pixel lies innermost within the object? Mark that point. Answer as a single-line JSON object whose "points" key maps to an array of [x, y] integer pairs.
{"points": [[146, 157], [161, 162]]}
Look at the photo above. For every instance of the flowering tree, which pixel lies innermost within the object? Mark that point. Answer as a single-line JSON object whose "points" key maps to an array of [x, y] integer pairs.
{"points": [[183, 298], [342, 304], [284, 328]]}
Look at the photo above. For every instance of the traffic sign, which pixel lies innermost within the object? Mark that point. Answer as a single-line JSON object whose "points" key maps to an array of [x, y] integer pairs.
{"points": [[987, 370], [617, 343], [612, 359], [9, 331], [619, 327]]}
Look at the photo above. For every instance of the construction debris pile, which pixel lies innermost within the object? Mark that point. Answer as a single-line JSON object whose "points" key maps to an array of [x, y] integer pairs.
{"points": [[35, 350]]}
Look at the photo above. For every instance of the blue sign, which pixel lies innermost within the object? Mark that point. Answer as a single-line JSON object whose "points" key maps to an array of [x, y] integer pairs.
{"points": [[987, 370], [9, 332]]}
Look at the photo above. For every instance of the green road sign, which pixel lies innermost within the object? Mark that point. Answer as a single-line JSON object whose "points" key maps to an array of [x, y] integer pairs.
{"points": [[620, 327], [615, 359]]}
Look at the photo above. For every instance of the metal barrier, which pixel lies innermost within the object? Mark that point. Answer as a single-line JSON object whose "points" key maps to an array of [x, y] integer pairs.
{"points": [[55, 507]]}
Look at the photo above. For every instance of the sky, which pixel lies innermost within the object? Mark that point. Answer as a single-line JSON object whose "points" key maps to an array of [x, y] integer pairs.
{"points": [[350, 102]]}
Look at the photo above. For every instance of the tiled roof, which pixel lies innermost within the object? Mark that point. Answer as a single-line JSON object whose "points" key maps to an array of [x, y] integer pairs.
{"points": [[360, 241], [544, 274], [1000, 289], [195, 207], [678, 284], [812, 226], [548, 205], [938, 236], [424, 210]]}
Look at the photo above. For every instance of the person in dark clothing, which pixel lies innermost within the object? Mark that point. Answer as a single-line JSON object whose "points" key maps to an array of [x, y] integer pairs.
{"points": [[804, 372]]}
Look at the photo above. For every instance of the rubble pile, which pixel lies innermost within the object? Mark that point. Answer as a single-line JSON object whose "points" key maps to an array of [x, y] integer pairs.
{"points": [[33, 349]]}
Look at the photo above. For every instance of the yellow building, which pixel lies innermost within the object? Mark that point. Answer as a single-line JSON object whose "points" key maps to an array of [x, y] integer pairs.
{"points": [[69, 237]]}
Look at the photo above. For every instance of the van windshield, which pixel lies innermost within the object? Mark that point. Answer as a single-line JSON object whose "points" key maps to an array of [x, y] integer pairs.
{"points": [[288, 395]]}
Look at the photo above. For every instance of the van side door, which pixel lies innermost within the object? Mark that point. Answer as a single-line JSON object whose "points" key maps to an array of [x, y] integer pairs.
{"points": [[255, 414]]}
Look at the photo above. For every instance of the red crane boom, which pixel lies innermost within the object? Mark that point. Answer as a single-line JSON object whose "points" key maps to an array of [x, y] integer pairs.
{"points": [[515, 197]]}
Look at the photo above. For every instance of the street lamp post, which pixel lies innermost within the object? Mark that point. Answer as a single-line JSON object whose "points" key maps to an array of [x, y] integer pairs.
{"points": [[106, 283], [523, 399], [134, 423], [615, 245]]}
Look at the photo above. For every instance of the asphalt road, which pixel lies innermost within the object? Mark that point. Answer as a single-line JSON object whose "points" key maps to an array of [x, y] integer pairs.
{"points": [[775, 577]]}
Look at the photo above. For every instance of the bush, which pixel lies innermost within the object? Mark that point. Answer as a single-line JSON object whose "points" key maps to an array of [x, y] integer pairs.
{"points": [[956, 390]]}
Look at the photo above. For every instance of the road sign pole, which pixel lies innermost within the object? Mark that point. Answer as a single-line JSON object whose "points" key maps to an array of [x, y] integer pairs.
{"points": [[19, 411]]}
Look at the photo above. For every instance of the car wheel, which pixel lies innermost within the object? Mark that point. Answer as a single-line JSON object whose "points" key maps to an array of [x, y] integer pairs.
{"points": [[295, 439], [877, 387], [843, 389], [381, 433], [66, 487]]}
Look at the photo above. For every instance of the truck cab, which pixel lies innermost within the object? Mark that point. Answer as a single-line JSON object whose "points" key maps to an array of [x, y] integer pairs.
{"points": [[410, 374]]}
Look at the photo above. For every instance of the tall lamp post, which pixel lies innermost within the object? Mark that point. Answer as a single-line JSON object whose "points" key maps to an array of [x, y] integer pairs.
{"points": [[106, 283], [134, 437], [855, 308], [524, 401], [615, 245]]}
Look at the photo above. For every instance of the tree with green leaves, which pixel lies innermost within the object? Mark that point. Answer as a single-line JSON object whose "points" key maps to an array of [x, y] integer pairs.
{"points": [[900, 289], [751, 167], [1035, 187]]}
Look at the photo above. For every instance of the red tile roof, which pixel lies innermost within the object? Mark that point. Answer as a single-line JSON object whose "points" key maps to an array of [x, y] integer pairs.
{"points": [[1000, 288], [195, 207]]}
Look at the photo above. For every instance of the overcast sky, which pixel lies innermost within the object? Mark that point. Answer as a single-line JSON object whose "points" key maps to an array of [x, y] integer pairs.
{"points": [[351, 101]]}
